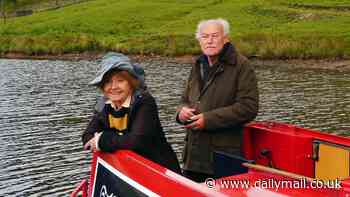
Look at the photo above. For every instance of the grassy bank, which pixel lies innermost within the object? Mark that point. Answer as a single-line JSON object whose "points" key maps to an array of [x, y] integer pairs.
{"points": [[282, 29]]}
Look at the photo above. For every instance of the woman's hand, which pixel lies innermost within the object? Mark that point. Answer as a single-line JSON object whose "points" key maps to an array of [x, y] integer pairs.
{"points": [[92, 144]]}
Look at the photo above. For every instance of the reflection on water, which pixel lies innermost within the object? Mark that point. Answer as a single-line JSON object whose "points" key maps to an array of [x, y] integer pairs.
{"points": [[45, 105]]}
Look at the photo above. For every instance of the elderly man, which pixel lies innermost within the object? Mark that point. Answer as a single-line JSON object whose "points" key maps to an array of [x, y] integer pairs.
{"points": [[220, 97]]}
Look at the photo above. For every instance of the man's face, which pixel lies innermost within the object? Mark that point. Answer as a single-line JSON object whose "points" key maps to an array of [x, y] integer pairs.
{"points": [[212, 39]]}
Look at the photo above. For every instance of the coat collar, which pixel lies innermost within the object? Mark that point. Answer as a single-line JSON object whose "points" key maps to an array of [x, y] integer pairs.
{"points": [[125, 104], [227, 56]]}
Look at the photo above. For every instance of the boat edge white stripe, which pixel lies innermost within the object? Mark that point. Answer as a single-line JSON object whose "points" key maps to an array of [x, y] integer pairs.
{"points": [[125, 178]]}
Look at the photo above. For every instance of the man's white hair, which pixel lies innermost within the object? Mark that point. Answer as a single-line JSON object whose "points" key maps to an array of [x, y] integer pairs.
{"points": [[225, 25]]}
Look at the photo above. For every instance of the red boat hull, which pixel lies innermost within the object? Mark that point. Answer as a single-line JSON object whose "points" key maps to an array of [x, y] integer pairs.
{"points": [[287, 170]]}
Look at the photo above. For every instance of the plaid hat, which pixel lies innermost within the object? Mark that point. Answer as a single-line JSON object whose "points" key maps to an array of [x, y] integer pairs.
{"points": [[111, 61]]}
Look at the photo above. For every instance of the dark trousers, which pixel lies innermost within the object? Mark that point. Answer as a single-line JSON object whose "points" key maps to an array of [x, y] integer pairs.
{"points": [[197, 176]]}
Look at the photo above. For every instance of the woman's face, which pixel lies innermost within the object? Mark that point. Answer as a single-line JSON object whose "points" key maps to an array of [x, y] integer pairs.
{"points": [[117, 89]]}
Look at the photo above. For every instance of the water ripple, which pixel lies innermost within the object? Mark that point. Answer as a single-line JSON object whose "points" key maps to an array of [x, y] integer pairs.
{"points": [[45, 106]]}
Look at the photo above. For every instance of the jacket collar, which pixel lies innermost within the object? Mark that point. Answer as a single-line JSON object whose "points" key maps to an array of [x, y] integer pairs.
{"points": [[125, 104], [227, 55]]}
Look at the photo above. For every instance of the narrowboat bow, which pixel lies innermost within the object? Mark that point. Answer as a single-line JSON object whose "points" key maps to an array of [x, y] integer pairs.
{"points": [[279, 160]]}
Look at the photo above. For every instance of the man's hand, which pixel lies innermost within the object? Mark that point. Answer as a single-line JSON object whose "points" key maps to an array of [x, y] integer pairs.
{"points": [[186, 113], [198, 122]]}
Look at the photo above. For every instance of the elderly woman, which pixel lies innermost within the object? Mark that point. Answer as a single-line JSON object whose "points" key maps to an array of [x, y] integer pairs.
{"points": [[127, 116]]}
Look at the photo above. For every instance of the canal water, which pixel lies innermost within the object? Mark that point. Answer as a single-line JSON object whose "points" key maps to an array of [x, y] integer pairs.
{"points": [[45, 106]]}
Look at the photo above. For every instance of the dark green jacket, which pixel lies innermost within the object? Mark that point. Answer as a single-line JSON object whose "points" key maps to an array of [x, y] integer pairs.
{"points": [[228, 100]]}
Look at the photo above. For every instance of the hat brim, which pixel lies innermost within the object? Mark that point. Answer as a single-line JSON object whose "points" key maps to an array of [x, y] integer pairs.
{"points": [[126, 66]]}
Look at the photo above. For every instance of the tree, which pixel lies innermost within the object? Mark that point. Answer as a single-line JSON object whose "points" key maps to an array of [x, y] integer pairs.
{"points": [[3, 15], [6, 7]]}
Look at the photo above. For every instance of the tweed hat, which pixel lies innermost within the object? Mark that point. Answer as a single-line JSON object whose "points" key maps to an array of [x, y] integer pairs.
{"points": [[111, 61]]}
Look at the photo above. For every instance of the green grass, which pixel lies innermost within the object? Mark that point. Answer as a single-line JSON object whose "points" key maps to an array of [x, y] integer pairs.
{"points": [[271, 29]]}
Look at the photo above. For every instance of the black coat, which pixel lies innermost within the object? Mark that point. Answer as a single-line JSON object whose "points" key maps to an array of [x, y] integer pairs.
{"points": [[144, 134]]}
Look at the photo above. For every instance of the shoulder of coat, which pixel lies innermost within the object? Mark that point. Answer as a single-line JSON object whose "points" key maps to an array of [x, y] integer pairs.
{"points": [[241, 59], [100, 104]]}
